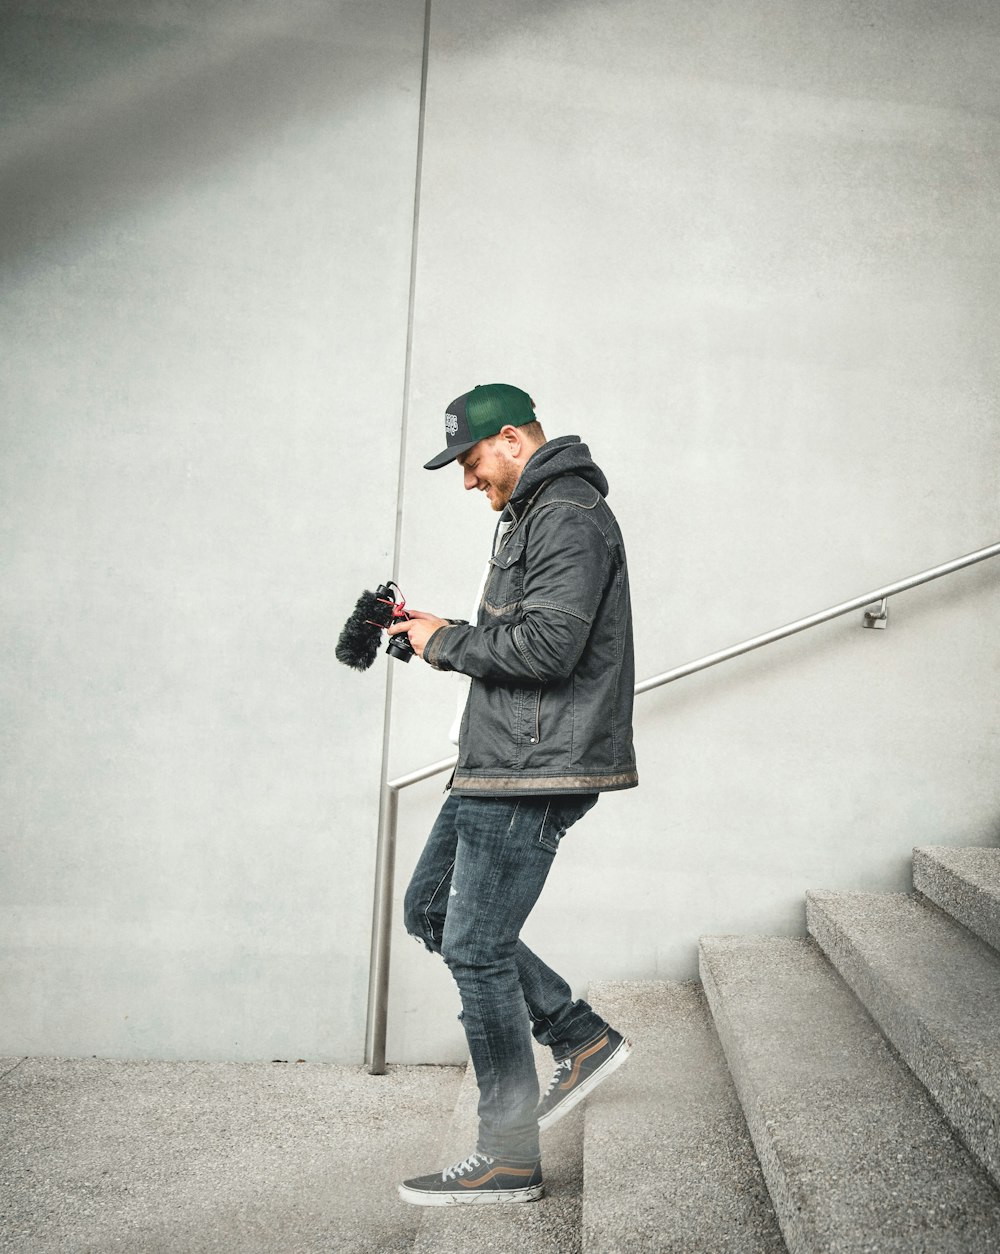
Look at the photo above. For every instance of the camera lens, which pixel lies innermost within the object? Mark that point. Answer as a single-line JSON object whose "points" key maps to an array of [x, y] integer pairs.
{"points": [[400, 648]]}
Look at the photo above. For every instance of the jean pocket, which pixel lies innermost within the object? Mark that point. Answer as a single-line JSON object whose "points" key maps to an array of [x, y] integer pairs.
{"points": [[560, 815]]}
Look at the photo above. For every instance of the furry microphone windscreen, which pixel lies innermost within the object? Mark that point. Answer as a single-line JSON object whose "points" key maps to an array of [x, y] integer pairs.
{"points": [[359, 641]]}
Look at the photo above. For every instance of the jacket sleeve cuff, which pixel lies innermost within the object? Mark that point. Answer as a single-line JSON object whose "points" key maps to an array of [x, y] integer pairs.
{"points": [[432, 649]]}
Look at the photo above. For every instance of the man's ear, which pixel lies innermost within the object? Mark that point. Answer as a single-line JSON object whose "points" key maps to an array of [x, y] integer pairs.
{"points": [[514, 441]]}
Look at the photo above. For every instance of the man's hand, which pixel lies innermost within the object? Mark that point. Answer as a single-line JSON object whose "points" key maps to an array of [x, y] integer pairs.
{"points": [[419, 627]]}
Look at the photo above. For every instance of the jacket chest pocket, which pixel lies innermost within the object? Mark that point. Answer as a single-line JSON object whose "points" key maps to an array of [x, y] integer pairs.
{"points": [[504, 589]]}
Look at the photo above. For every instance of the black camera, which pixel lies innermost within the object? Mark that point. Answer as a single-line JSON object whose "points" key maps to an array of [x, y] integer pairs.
{"points": [[399, 646], [362, 634]]}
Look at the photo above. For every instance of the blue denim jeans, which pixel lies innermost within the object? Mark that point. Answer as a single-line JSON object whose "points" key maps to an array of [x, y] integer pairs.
{"points": [[480, 873]]}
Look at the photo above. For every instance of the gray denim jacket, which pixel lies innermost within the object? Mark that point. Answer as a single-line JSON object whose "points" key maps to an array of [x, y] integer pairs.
{"points": [[550, 656]]}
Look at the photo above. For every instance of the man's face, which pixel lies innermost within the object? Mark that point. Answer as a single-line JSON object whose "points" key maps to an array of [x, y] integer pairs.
{"points": [[489, 467]]}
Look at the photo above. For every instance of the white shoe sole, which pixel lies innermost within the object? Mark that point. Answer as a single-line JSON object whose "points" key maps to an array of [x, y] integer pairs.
{"points": [[587, 1087], [480, 1197]]}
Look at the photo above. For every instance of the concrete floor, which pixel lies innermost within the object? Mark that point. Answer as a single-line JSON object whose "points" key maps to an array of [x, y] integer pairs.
{"points": [[154, 1157]]}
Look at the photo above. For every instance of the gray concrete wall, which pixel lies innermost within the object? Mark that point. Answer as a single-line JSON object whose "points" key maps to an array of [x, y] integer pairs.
{"points": [[206, 235], [748, 252], [745, 250]]}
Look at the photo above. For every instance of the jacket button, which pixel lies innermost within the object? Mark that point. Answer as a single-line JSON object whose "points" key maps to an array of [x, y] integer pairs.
{"points": [[534, 741]]}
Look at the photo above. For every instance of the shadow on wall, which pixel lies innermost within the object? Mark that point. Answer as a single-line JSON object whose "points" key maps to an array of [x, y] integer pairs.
{"points": [[161, 107], [175, 95], [167, 104]]}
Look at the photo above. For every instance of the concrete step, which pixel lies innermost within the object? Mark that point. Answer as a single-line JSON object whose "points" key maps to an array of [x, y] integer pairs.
{"points": [[549, 1226], [668, 1161], [934, 990], [966, 883], [856, 1157]]}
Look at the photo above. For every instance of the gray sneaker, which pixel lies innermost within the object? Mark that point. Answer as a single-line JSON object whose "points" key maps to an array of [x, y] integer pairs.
{"points": [[478, 1179], [580, 1073]]}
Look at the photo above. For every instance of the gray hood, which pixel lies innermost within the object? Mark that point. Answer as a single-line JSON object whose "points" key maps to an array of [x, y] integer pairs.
{"points": [[567, 455]]}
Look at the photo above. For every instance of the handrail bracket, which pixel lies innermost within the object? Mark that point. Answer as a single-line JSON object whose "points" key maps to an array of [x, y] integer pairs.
{"points": [[878, 618]]}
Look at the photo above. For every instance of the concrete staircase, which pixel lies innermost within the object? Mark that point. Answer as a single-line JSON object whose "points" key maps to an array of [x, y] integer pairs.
{"points": [[837, 1093]]}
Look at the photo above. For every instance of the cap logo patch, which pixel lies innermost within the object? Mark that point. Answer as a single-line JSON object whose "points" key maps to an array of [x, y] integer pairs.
{"points": [[451, 424]]}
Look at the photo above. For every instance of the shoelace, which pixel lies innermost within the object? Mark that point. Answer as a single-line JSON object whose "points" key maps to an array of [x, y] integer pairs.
{"points": [[470, 1164], [565, 1065]]}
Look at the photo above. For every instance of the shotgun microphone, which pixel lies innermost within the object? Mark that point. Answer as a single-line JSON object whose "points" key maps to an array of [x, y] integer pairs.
{"points": [[375, 611]]}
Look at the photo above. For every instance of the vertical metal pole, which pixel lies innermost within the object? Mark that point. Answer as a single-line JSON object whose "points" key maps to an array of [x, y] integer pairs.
{"points": [[378, 977], [385, 853]]}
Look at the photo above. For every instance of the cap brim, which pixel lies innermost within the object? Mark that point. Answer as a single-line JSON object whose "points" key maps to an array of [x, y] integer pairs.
{"points": [[449, 455]]}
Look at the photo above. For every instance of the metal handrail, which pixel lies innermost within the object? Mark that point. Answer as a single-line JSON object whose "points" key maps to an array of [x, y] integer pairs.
{"points": [[378, 987]]}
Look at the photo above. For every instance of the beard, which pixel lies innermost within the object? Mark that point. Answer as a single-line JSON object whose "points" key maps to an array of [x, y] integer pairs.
{"points": [[502, 485]]}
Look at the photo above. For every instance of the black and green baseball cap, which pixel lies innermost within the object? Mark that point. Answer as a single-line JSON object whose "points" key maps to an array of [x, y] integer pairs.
{"points": [[478, 414]]}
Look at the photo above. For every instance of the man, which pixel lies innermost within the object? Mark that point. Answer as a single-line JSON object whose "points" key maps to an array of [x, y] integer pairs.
{"points": [[547, 727]]}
